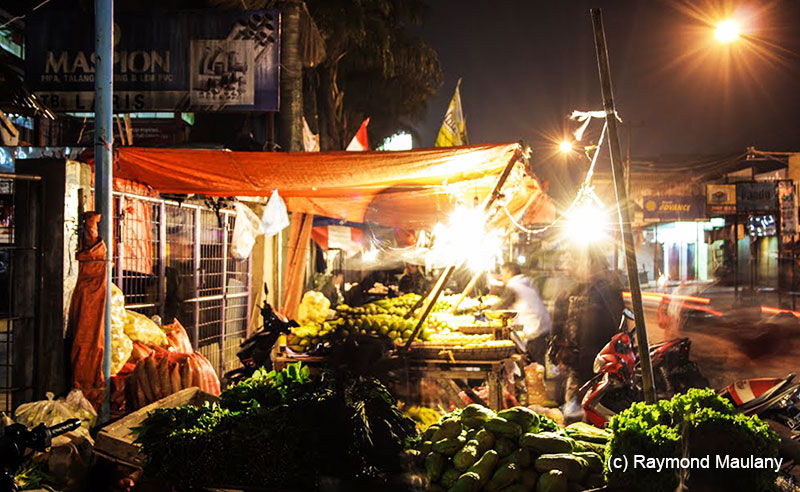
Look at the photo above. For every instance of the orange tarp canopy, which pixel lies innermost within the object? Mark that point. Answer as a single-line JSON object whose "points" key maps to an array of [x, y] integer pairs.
{"points": [[407, 188]]}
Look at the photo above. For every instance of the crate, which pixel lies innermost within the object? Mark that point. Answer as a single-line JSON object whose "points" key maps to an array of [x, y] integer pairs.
{"points": [[116, 440]]}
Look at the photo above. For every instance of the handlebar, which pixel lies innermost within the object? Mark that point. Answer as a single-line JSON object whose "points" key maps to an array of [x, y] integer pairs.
{"points": [[64, 427]]}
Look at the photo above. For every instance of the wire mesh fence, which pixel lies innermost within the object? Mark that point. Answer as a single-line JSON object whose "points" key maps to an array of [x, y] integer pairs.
{"points": [[173, 260]]}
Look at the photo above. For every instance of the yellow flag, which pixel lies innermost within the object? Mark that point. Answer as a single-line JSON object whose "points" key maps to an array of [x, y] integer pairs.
{"points": [[454, 128]]}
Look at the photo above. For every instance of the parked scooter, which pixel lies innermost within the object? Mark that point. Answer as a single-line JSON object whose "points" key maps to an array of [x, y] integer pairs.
{"points": [[17, 440], [256, 350], [617, 383]]}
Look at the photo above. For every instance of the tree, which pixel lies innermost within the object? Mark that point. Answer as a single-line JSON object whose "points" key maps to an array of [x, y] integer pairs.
{"points": [[375, 67]]}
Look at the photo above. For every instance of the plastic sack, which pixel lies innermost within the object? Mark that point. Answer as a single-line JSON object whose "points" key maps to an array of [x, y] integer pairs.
{"points": [[140, 328], [274, 219], [313, 308], [51, 412], [121, 345], [247, 227]]}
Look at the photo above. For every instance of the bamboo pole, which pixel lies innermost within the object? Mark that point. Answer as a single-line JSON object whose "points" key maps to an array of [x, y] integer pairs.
{"points": [[623, 205]]}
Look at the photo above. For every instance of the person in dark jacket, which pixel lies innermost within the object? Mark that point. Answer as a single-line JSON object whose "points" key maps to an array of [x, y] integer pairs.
{"points": [[584, 320], [333, 289], [413, 281]]}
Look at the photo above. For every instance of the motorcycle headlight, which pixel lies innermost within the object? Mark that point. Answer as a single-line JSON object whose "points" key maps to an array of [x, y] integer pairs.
{"points": [[598, 364]]}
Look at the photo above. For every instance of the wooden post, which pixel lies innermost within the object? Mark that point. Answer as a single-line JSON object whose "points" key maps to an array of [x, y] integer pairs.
{"points": [[623, 205]]}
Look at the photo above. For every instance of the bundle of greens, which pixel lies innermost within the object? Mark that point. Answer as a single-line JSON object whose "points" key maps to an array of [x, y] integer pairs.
{"points": [[697, 424], [284, 429]]}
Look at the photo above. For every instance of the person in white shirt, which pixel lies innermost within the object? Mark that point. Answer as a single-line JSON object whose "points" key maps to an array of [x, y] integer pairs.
{"points": [[519, 295]]}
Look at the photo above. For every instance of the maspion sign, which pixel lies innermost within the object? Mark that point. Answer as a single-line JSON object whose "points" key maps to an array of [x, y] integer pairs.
{"points": [[194, 60], [674, 207]]}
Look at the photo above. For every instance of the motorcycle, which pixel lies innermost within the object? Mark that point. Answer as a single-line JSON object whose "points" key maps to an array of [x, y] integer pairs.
{"points": [[256, 351], [617, 383], [17, 439], [776, 401]]}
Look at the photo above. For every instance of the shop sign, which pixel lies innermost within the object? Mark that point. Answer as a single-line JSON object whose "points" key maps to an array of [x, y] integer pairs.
{"points": [[753, 196], [674, 207], [787, 201], [720, 199], [201, 60]]}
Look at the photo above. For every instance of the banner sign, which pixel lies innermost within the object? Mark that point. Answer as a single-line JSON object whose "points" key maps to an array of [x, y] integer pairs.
{"points": [[191, 60], [787, 203], [720, 199], [674, 207], [756, 196]]}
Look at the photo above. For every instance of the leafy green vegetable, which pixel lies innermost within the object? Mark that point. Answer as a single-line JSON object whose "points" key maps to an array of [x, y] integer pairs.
{"points": [[279, 428], [700, 423]]}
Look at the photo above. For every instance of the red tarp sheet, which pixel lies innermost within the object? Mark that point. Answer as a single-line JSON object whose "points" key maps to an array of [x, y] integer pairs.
{"points": [[353, 186]]}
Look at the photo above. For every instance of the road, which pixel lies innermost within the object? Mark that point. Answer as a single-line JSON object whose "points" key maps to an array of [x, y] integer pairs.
{"points": [[726, 352]]}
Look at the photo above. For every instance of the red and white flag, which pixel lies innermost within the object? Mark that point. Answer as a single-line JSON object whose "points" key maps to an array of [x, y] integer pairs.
{"points": [[360, 141]]}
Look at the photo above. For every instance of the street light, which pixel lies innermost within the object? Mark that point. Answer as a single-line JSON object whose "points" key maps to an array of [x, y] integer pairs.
{"points": [[565, 146], [727, 31]]}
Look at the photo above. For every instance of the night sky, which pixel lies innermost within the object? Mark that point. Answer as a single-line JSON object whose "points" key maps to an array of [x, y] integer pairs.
{"points": [[527, 64]]}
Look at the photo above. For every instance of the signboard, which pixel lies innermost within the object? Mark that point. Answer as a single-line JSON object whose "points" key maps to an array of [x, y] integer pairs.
{"points": [[753, 196], [192, 60], [787, 204], [674, 207], [720, 199]]}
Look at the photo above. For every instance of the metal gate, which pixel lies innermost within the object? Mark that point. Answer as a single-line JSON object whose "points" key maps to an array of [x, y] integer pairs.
{"points": [[173, 260], [20, 286]]}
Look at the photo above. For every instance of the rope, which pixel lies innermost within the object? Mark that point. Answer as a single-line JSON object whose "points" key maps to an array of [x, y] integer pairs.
{"points": [[586, 189]]}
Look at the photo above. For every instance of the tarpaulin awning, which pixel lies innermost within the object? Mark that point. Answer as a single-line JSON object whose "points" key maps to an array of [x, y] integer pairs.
{"points": [[409, 188]]}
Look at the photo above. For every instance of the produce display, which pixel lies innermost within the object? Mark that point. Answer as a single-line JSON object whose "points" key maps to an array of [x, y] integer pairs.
{"points": [[140, 328], [515, 450], [384, 318], [279, 429], [313, 308], [702, 424], [423, 417]]}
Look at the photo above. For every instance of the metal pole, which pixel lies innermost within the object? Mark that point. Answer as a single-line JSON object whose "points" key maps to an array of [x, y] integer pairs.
{"points": [[623, 205], [103, 141]]}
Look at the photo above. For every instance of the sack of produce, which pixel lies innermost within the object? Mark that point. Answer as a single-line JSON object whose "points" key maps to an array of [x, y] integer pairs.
{"points": [[51, 412], [163, 373], [140, 328], [177, 338], [313, 308], [121, 345]]}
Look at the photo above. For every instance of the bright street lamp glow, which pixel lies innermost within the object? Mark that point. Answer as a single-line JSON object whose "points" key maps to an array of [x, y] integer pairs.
{"points": [[565, 146], [587, 224], [727, 31]]}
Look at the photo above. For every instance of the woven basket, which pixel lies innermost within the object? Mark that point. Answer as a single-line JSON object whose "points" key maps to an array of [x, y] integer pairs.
{"points": [[476, 330]]}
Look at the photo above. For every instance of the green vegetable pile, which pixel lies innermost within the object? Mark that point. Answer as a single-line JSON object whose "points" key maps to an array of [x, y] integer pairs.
{"points": [[282, 429], [700, 423], [514, 450]]}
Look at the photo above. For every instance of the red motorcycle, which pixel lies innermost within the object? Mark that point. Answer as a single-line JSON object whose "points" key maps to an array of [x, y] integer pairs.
{"points": [[617, 383]]}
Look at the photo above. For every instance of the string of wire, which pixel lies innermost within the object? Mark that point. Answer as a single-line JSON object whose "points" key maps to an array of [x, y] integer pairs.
{"points": [[584, 190]]}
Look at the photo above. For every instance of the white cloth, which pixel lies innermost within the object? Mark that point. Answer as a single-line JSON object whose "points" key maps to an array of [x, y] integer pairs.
{"points": [[531, 311]]}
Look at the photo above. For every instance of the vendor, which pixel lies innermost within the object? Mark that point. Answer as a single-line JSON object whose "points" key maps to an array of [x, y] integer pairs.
{"points": [[333, 289], [413, 281], [520, 295]]}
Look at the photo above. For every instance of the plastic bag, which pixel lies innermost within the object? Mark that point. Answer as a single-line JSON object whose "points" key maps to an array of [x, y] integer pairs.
{"points": [[274, 219], [247, 227], [51, 412], [313, 308], [121, 345], [140, 328]]}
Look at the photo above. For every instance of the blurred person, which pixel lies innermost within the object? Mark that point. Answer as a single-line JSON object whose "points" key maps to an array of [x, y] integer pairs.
{"points": [[585, 318], [333, 289], [413, 281], [519, 295]]}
